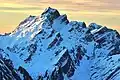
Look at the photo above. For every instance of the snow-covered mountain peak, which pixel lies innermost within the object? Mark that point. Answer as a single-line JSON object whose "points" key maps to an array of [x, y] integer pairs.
{"points": [[50, 47], [50, 18], [50, 13], [94, 26]]}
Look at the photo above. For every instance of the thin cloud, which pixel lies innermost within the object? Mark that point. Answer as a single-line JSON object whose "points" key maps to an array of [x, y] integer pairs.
{"points": [[105, 12], [24, 8], [91, 5]]}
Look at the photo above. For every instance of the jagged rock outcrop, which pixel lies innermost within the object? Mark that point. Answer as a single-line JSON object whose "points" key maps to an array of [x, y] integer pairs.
{"points": [[7, 72]]}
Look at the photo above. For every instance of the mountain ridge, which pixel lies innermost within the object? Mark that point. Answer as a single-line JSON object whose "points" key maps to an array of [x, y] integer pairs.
{"points": [[50, 47]]}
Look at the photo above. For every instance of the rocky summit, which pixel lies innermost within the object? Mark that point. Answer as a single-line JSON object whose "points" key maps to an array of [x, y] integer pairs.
{"points": [[50, 47]]}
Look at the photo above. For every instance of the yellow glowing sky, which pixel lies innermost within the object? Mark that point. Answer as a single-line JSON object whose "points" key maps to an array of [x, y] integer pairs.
{"points": [[104, 12]]}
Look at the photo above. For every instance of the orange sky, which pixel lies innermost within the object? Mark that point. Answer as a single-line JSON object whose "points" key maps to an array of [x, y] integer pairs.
{"points": [[104, 12]]}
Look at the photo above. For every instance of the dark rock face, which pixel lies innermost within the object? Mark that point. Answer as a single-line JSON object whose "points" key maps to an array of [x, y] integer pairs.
{"points": [[28, 19], [7, 72], [50, 14], [63, 19], [65, 65], [89, 37], [57, 74], [26, 75], [78, 25], [114, 73], [56, 41], [31, 49], [67, 68], [93, 26]]}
